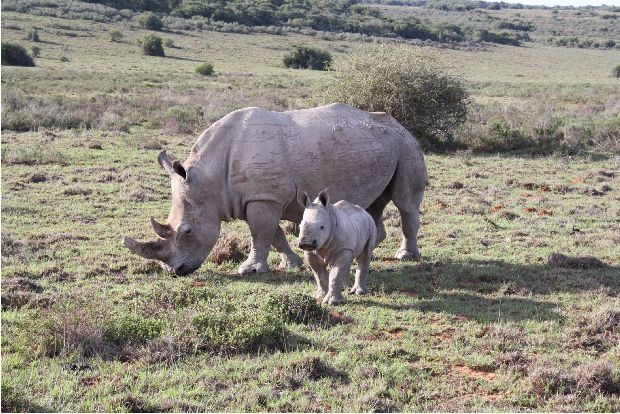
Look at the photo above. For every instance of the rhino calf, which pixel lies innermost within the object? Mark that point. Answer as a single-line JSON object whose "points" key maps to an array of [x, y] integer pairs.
{"points": [[332, 235]]}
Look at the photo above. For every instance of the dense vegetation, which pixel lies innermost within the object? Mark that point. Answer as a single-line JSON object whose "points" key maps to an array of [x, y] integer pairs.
{"points": [[304, 57], [15, 55]]}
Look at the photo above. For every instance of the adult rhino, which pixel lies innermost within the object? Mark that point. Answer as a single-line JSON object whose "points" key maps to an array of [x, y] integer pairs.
{"points": [[251, 164]]}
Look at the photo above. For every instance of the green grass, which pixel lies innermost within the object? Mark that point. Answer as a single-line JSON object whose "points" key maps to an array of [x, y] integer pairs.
{"points": [[484, 322]]}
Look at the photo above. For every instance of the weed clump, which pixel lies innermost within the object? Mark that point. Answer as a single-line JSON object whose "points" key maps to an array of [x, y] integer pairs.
{"points": [[15, 55], [575, 262], [409, 83], [36, 51], [116, 36], [229, 248], [205, 69], [149, 21], [616, 71], [33, 35], [547, 381], [152, 45], [133, 328], [305, 57], [600, 377], [18, 292], [294, 307]]}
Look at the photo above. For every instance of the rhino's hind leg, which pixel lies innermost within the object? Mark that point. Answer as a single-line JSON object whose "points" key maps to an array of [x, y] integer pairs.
{"points": [[288, 258], [410, 221], [263, 218]]}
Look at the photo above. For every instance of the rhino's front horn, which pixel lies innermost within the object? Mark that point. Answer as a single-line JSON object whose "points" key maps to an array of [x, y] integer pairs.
{"points": [[148, 250], [163, 230]]}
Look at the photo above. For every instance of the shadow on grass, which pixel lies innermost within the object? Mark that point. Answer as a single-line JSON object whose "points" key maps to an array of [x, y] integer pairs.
{"points": [[183, 58]]}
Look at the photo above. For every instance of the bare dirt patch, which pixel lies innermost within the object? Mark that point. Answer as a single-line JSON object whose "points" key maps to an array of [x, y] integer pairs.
{"points": [[474, 373]]}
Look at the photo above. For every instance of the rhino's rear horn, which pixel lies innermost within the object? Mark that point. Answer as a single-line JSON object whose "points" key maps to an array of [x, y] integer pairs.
{"points": [[148, 250], [163, 230]]}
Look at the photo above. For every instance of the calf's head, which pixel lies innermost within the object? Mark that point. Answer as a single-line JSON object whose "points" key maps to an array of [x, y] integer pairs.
{"points": [[190, 232], [316, 225]]}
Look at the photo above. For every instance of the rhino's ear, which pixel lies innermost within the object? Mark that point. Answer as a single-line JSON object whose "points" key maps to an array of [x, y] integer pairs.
{"points": [[164, 160], [179, 169], [302, 199], [324, 197]]}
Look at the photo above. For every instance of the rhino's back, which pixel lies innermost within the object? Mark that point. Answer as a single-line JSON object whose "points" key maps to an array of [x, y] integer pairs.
{"points": [[351, 152]]}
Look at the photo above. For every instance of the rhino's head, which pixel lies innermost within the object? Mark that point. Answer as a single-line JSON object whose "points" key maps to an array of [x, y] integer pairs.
{"points": [[316, 225], [190, 232]]}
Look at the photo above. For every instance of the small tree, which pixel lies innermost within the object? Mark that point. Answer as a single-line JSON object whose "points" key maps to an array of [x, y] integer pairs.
{"points": [[116, 35], [15, 55], [33, 35], [152, 45], [305, 57], [410, 83], [205, 69], [149, 21], [616, 71]]}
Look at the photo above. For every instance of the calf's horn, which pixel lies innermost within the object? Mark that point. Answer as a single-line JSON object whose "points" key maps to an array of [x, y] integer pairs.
{"points": [[148, 250], [163, 230]]}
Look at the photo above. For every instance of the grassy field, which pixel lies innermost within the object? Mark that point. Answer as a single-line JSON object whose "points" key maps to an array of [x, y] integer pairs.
{"points": [[488, 320]]}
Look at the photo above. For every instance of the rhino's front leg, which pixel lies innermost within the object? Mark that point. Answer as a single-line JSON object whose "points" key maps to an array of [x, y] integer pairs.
{"points": [[363, 264], [263, 218], [321, 276], [288, 258], [338, 276]]}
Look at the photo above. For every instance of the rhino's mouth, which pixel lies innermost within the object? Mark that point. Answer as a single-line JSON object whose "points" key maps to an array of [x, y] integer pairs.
{"points": [[307, 245]]}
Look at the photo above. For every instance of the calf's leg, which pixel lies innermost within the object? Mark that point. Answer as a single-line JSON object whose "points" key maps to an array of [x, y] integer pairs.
{"points": [[321, 276], [361, 274], [338, 275]]}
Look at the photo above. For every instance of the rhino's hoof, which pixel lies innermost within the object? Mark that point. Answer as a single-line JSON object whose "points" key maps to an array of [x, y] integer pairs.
{"points": [[332, 299], [356, 290], [291, 262], [247, 268], [404, 254]]}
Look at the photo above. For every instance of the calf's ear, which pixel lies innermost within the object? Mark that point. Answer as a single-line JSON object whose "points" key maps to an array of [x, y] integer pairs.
{"points": [[324, 197], [179, 169], [302, 199], [165, 161]]}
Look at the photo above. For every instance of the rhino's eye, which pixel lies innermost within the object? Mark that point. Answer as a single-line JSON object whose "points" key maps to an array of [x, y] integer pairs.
{"points": [[187, 231], [322, 227]]}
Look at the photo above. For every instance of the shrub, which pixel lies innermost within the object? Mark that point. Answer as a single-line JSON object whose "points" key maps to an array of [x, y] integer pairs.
{"points": [[64, 58], [15, 55], [168, 42], [149, 21], [205, 69], [294, 307], [116, 36], [36, 51], [33, 35], [616, 71], [304, 57], [152, 45], [410, 83]]}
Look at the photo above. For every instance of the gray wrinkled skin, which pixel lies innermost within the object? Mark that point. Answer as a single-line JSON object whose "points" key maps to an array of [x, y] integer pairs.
{"points": [[251, 164], [333, 235]]}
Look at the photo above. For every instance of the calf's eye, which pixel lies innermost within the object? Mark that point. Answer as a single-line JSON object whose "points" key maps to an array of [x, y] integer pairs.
{"points": [[322, 227], [187, 231]]}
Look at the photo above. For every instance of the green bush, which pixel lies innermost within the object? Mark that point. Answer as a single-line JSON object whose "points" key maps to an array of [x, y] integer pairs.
{"points": [[616, 71], [15, 55], [205, 69], [133, 328], [295, 307], [149, 21], [226, 329], [305, 57], [116, 35], [152, 45], [36, 51], [410, 83]]}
